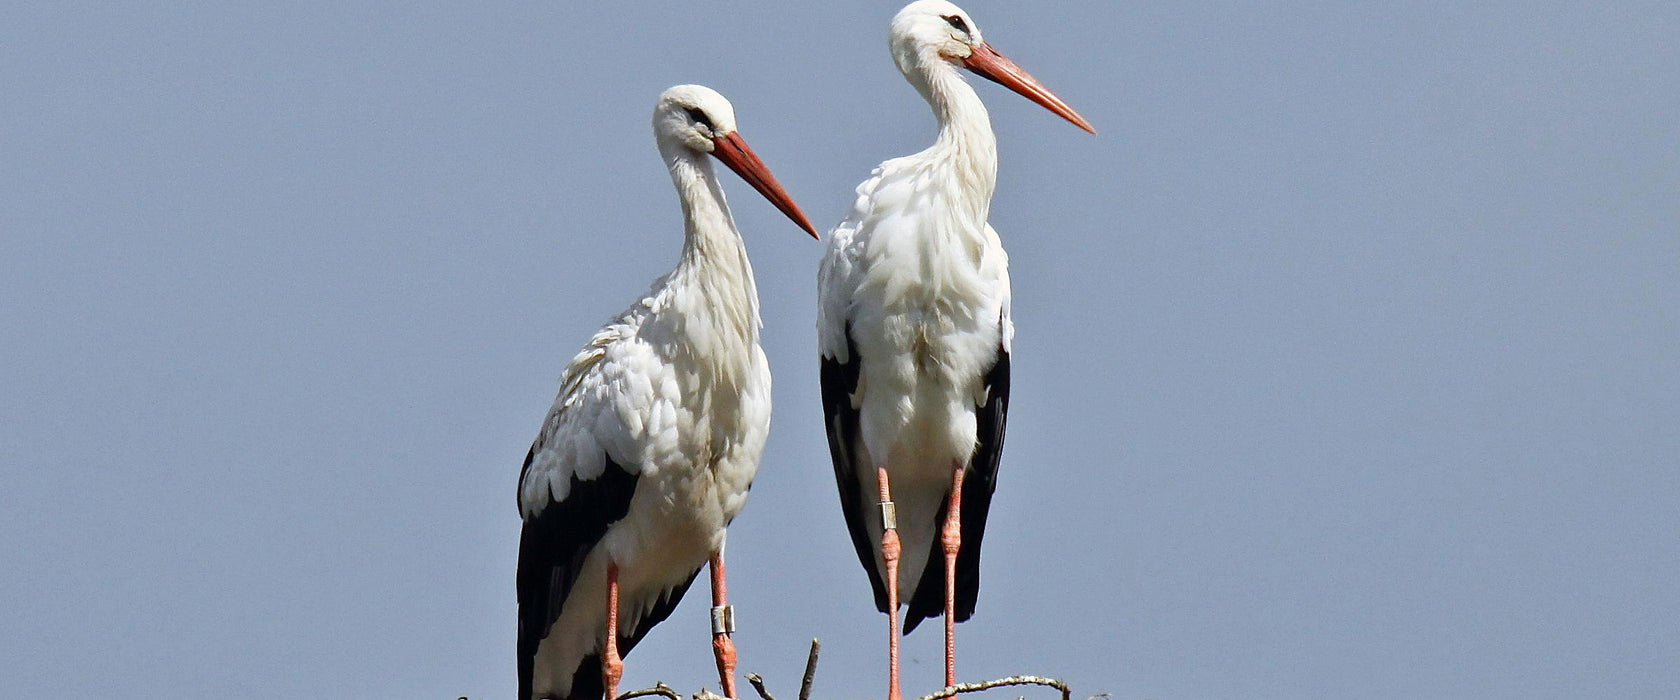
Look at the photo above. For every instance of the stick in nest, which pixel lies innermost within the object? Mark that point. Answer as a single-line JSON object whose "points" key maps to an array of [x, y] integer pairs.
{"points": [[810, 670], [757, 681], [960, 688], [758, 685], [658, 689]]}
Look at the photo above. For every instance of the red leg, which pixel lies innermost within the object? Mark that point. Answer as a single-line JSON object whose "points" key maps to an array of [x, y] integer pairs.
{"points": [[890, 552], [723, 625], [952, 539], [612, 666]]}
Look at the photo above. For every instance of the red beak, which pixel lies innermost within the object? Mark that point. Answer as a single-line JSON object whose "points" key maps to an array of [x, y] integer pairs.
{"points": [[994, 66], [733, 151]]}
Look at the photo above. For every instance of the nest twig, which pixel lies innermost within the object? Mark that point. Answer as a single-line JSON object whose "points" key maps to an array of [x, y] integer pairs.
{"points": [[659, 689], [809, 678], [960, 688], [810, 671], [758, 685]]}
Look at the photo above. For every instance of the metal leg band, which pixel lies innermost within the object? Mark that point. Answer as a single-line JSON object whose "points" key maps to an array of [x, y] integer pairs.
{"points": [[723, 619], [889, 516]]}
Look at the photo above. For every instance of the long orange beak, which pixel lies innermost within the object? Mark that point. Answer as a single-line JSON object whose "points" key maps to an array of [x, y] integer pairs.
{"points": [[996, 67], [733, 151]]}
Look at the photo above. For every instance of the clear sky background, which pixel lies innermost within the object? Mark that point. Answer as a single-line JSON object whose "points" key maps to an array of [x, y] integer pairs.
{"points": [[1348, 361]]}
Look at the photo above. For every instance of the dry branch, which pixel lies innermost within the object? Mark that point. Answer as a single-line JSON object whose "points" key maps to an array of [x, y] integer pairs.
{"points": [[811, 672], [1000, 683], [758, 685], [658, 689]]}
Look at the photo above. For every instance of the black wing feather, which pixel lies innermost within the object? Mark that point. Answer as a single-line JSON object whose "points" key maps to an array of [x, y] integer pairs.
{"points": [[586, 680], [552, 548], [978, 485], [839, 381]]}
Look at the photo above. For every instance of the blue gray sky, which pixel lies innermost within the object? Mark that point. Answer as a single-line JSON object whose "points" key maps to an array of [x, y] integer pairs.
{"points": [[1348, 361]]}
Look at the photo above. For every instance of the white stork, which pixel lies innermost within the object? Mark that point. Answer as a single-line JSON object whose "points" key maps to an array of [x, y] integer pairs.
{"points": [[914, 330], [654, 438]]}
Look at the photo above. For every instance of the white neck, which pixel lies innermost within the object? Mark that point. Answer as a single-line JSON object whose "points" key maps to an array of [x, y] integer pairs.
{"points": [[714, 273], [966, 147]]}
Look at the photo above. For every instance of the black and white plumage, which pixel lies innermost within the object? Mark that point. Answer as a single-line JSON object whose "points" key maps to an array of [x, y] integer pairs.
{"points": [[914, 332], [655, 436], [925, 595]]}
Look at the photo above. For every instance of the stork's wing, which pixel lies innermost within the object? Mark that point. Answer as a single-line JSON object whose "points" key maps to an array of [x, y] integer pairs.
{"points": [[579, 478], [839, 381], [552, 549], [981, 481], [836, 284]]}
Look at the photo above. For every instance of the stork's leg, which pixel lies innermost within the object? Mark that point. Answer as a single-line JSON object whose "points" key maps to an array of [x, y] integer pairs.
{"points": [[612, 666], [889, 554], [952, 539], [723, 625]]}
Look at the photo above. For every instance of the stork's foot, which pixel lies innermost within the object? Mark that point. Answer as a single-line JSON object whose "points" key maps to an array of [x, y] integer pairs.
{"points": [[724, 649], [891, 550], [723, 626], [951, 539], [612, 671], [612, 665]]}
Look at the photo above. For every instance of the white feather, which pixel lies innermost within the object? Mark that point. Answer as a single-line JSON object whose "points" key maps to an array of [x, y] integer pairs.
{"points": [[922, 281], [677, 390]]}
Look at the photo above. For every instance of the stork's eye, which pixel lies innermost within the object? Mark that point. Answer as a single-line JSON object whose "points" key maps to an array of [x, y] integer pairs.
{"points": [[699, 117], [957, 23]]}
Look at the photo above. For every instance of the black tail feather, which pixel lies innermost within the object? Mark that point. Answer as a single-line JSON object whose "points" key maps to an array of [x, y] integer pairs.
{"points": [[929, 598], [587, 683]]}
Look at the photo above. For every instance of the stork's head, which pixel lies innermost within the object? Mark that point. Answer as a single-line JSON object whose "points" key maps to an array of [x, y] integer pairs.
{"points": [[696, 117], [927, 32]]}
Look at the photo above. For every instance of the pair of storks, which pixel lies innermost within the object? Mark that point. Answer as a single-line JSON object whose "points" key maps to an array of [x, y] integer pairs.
{"points": [[652, 443]]}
